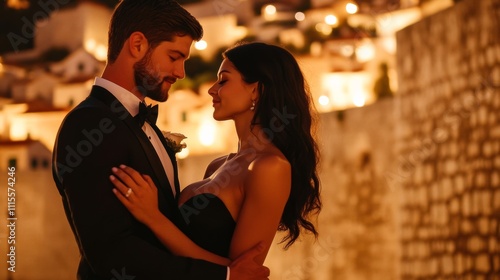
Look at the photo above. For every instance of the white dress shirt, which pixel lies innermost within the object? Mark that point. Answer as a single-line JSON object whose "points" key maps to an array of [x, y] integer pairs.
{"points": [[131, 103]]}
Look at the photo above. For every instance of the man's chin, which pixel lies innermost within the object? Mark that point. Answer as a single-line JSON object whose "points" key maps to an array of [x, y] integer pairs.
{"points": [[165, 98], [159, 97]]}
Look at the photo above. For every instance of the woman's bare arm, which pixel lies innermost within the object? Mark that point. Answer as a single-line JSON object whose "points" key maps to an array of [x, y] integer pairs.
{"points": [[142, 202], [266, 188]]}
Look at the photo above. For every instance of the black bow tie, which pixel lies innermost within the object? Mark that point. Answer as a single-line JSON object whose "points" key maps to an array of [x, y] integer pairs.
{"points": [[147, 113]]}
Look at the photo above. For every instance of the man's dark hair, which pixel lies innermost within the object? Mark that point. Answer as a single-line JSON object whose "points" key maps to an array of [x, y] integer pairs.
{"points": [[158, 20]]}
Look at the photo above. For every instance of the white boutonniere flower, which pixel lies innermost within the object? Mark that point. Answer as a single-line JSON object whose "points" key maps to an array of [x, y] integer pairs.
{"points": [[174, 140]]}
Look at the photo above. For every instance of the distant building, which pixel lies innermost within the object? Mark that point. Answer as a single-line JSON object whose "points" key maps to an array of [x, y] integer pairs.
{"points": [[81, 30], [33, 120], [76, 74], [24, 155], [8, 75], [39, 86], [68, 95], [62, 84], [82, 26], [79, 65]]}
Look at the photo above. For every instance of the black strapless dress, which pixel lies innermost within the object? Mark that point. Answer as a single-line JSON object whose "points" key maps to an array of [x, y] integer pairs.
{"points": [[208, 223]]}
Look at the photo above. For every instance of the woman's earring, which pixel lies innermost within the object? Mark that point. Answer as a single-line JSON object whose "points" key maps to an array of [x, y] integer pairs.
{"points": [[253, 105]]}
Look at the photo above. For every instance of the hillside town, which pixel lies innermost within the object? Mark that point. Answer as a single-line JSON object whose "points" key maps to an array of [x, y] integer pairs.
{"points": [[39, 86]]}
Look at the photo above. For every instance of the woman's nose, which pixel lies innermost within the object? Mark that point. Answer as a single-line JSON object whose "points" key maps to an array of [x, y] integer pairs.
{"points": [[212, 90]]}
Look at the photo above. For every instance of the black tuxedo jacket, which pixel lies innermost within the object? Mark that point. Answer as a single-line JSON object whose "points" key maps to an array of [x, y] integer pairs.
{"points": [[94, 137]]}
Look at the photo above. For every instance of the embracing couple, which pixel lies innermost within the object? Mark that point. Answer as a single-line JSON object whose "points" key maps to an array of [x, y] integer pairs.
{"points": [[122, 196]]}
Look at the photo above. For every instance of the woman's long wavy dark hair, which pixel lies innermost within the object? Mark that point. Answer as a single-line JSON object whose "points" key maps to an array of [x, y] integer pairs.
{"points": [[284, 110]]}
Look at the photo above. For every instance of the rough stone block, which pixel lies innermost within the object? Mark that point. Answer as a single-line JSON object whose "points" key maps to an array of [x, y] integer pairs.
{"points": [[454, 207], [466, 206], [480, 180], [482, 263], [493, 246], [496, 200], [495, 75], [475, 244], [483, 224], [496, 162], [486, 203], [466, 227], [459, 184], [451, 167], [497, 52], [496, 262], [495, 179], [459, 263], [472, 149], [492, 119], [483, 115]]}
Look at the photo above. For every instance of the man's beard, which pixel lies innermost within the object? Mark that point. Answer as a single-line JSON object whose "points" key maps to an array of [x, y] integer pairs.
{"points": [[148, 81]]}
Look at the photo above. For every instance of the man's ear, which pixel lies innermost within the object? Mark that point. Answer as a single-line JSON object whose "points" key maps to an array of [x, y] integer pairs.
{"points": [[137, 45]]}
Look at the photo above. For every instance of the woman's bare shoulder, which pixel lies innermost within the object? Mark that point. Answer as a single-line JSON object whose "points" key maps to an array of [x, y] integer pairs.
{"points": [[270, 169], [268, 163], [214, 165]]}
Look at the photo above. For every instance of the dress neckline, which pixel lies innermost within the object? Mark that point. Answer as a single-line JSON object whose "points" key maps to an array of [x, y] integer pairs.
{"points": [[212, 198]]}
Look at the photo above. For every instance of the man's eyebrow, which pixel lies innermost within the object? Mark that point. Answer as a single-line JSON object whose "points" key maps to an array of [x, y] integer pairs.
{"points": [[181, 54]]}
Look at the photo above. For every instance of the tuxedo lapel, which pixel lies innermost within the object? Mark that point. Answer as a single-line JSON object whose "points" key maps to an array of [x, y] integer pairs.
{"points": [[171, 154], [121, 112]]}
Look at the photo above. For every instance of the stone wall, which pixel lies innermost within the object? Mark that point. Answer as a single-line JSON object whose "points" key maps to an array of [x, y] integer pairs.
{"points": [[449, 143], [411, 184], [358, 225]]}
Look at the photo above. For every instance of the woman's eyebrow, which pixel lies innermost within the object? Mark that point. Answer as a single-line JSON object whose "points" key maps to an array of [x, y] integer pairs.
{"points": [[223, 71]]}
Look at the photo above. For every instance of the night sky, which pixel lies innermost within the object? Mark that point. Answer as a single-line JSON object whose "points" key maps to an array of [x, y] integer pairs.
{"points": [[16, 32]]}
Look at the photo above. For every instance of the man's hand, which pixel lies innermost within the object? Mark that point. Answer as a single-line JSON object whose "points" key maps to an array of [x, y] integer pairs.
{"points": [[245, 267]]}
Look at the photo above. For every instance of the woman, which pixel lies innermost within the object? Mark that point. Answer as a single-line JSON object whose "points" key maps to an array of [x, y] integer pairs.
{"points": [[269, 184]]}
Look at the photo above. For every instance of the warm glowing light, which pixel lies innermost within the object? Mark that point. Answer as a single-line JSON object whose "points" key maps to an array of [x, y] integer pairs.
{"points": [[331, 20], [323, 100], [200, 45], [90, 45], [18, 131], [316, 49], [347, 50], [18, 4], [351, 8], [300, 16], [324, 29], [358, 100], [101, 52], [269, 12], [365, 52], [389, 44], [206, 133], [270, 9], [98, 50], [184, 153], [346, 90]]}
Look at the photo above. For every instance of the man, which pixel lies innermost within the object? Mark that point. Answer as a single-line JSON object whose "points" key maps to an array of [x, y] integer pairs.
{"points": [[149, 41]]}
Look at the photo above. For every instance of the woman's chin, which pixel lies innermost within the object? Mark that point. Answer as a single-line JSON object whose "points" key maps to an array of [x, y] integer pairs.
{"points": [[219, 117]]}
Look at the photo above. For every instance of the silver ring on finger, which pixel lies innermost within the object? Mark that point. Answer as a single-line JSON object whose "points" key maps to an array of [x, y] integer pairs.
{"points": [[128, 193]]}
